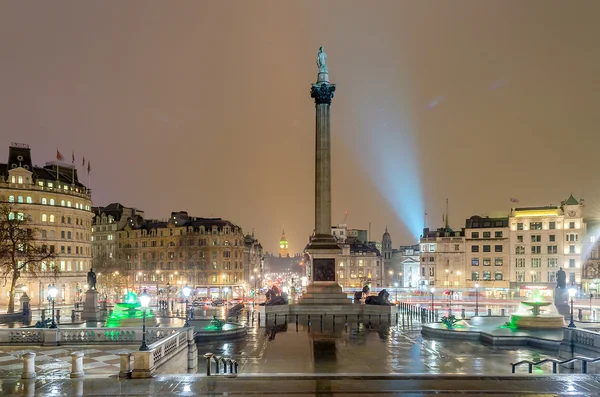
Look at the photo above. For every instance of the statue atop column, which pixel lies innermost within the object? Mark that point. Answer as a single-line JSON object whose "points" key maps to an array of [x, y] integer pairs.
{"points": [[561, 279], [322, 61], [91, 279]]}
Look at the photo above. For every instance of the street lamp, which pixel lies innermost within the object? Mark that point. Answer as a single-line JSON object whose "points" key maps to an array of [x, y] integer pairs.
{"points": [[572, 292], [144, 301], [476, 299], [52, 292], [186, 292], [226, 290], [432, 302], [396, 285]]}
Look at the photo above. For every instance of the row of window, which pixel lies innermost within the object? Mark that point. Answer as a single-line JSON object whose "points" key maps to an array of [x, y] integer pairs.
{"points": [[537, 249], [172, 232], [51, 235], [536, 277], [487, 248], [487, 275], [538, 225], [45, 201], [537, 238], [200, 278], [497, 234], [63, 219], [487, 261], [66, 249], [537, 262]]}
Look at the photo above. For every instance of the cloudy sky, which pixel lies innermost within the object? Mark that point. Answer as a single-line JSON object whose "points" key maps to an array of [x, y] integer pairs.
{"points": [[204, 106]]}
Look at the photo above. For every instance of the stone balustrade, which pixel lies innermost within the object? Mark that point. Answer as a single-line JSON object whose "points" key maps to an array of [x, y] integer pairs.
{"points": [[84, 336], [177, 346]]}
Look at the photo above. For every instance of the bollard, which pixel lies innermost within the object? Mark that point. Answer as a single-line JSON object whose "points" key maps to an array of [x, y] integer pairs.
{"points": [[502, 312], [296, 320], [397, 318], [462, 313], [259, 319], [266, 319], [73, 315], [579, 314], [309, 320], [285, 318], [125, 365], [489, 312], [57, 316], [247, 317], [275, 323], [28, 366], [334, 320], [321, 321], [390, 318], [77, 365]]}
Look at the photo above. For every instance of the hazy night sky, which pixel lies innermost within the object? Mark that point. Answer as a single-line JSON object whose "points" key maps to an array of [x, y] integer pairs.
{"points": [[204, 106]]}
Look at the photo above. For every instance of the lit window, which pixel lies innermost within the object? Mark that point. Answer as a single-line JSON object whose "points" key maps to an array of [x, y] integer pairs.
{"points": [[13, 179], [68, 203], [62, 203], [44, 217], [50, 184], [29, 200], [51, 218], [11, 199], [11, 216], [20, 216], [20, 199], [44, 201], [51, 201], [20, 179]]}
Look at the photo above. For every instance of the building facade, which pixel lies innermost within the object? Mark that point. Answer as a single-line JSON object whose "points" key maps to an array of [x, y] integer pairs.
{"points": [[360, 264], [487, 254], [60, 208], [543, 240], [211, 255], [442, 258]]}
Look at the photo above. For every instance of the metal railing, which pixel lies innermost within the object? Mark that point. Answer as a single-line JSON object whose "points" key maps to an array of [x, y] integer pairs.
{"points": [[218, 360], [556, 362]]}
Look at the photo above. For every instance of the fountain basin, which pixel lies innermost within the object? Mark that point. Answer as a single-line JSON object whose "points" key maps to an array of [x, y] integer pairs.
{"points": [[202, 331], [542, 321]]}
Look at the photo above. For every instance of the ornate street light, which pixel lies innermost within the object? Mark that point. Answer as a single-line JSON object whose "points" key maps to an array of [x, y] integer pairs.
{"points": [[186, 292], [572, 292], [52, 292], [144, 301]]}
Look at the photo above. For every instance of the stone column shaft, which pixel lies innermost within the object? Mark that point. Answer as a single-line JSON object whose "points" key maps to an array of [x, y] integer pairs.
{"points": [[322, 172], [322, 92]]}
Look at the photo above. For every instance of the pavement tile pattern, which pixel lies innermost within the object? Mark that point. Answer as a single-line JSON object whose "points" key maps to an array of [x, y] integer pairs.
{"points": [[56, 361]]}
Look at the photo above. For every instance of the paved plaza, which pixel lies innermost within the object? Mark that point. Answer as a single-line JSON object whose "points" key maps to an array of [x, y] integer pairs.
{"points": [[303, 385]]}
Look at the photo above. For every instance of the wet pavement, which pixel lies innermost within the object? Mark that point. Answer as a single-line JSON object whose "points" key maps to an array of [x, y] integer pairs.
{"points": [[360, 348], [301, 385]]}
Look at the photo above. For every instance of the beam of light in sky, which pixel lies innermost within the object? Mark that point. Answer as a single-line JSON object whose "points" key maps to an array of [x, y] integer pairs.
{"points": [[388, 152]]}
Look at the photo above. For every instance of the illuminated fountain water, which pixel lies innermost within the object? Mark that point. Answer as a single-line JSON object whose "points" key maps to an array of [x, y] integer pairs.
{"points": [[127, 314], [536, 314]]}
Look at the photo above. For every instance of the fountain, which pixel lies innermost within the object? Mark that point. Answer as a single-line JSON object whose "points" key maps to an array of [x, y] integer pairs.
{"points": [[529, 315], [127, 314]]}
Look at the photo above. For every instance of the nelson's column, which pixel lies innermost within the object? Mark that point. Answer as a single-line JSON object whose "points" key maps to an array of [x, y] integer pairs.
{"points": [[323, 249]]}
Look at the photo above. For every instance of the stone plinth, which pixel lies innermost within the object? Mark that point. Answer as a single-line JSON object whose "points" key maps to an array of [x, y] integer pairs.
{"points": [[561, 301], [324, 293], [91, 310]]}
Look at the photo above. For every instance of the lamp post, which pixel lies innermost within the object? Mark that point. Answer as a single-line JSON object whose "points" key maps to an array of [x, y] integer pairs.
{"points": [[396, 285], [186, 292], [432, 302], [476, 299], [52, 291], [572, 292], [144, 301]]}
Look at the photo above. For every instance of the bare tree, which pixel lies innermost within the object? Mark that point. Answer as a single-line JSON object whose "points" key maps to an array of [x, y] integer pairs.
{"points": [[112, 273], [21, 255]]}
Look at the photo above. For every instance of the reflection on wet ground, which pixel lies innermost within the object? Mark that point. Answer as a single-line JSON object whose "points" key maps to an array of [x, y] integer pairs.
{"points": [[360, 348]]}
